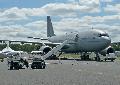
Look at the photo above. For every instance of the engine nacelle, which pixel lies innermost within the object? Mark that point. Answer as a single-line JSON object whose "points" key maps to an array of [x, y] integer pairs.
{"points": [[45, 49], [107, 51]]}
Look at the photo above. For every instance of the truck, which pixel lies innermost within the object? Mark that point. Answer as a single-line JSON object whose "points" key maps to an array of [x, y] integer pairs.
{"points": [[110, 56]]}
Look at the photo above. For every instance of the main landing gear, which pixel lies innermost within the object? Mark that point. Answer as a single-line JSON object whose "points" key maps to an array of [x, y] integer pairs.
{"points": [[85, 56], [97, 58]]}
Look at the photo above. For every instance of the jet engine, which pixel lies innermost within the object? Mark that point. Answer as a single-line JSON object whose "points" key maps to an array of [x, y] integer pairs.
{"points": [[45, 49], [107, 51]]}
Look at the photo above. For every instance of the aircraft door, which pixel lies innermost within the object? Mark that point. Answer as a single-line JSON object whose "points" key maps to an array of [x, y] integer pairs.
{"points": [[76, 37]]}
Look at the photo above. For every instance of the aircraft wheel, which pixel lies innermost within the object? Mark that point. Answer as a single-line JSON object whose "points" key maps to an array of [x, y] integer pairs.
{"points": [[82, 58], [97, 58]]}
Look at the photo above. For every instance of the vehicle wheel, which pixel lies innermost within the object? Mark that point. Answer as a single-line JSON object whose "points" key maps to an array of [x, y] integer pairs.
{"points": [[44, 66], [11, 67], [16, 67], [32, 67], [40, 67], [112, 60], [20, 66], [105, 59]]}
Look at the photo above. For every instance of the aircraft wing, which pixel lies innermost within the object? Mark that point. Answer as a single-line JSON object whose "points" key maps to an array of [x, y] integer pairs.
{"points": [[46, 42]]}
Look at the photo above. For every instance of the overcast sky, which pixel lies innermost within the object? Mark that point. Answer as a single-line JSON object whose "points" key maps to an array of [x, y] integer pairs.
{"points": [[22, 18]]}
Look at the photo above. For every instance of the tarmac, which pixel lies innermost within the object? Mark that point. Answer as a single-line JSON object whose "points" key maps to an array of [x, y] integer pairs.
{"points": [[65, 72]]}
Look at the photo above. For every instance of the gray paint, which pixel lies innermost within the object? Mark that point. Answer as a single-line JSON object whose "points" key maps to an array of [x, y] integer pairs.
{"points": [[87, 41]]}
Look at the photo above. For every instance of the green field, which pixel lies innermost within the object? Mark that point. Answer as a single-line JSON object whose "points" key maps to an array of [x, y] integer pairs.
{"points": [[68, 55]]}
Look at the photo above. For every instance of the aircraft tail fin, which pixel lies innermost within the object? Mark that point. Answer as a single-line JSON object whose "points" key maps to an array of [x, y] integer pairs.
{"points": [[50, 31], [8, 44], [7, 49]]}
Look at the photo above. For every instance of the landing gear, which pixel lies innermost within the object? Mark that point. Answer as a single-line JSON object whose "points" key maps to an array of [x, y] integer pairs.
{"points": [[97, 58], [85, 56]]}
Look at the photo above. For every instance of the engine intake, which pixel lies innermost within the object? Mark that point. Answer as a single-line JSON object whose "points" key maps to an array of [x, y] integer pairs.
{"points": [[45, 49], [107, 51]]}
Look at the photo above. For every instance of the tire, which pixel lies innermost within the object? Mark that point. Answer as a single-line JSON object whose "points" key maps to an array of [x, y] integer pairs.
{"points": [[20, 66], [16, 67], [44, 66], [105, 59], [112, 60], [32, 67], [40, 67], [11, 67]]}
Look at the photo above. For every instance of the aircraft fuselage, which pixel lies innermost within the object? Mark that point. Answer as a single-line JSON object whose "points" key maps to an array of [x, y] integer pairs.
{"points": [[88, 41]]}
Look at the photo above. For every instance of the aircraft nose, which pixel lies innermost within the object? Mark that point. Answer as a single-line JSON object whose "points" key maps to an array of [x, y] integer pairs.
{"points": [[107, 40]]}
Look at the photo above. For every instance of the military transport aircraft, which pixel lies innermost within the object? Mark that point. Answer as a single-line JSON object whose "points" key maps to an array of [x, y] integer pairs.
{"points": [[80, 42], [77, 42]]}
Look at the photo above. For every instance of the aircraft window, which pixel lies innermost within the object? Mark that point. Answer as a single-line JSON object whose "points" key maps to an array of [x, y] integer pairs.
{"points": [[100, 35]]}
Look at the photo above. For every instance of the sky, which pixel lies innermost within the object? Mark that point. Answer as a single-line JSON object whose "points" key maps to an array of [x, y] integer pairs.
{"points": [[22, 18]]}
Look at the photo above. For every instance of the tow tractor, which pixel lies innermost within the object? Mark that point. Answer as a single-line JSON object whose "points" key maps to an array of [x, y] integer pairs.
{"points": [[38, 63], [15, 62]]}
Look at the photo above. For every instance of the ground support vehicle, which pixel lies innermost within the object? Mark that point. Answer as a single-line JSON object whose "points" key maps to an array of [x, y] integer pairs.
{"points": [[17, 63], [110, 56], [38, 63]]}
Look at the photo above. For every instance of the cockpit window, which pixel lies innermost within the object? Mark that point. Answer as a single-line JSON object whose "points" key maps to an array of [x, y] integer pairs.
{"points": [[105, 34]]}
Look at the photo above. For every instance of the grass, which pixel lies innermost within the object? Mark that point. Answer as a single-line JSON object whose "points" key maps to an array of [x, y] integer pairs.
{"points": [[118, 58], [70, 55]]}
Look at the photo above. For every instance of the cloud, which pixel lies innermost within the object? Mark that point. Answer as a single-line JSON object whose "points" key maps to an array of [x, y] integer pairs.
{"points": [[106, 0], [72, 16], [12, 14], [15, 13], [102, 19], [38, 28], [89, 2], [112, 8], [69, 9], [54, 9]]}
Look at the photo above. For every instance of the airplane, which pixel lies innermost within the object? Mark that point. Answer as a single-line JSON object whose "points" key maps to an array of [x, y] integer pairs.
{"points": [[77, 42], [80, 42], [6, 52]]}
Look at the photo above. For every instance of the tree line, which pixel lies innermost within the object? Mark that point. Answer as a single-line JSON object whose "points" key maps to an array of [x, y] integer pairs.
{"points": [[23, 47], [36, 47]]}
